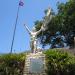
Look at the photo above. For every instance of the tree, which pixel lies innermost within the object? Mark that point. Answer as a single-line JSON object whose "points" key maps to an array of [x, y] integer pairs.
{"points": [[63, 21], [67, 13]]}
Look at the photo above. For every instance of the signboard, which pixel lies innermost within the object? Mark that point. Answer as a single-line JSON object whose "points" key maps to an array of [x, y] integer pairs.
{"points": [[36, 65]]}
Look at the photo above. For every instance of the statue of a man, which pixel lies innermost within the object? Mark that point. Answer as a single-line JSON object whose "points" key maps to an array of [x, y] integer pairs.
{"points": [[34, 33]]}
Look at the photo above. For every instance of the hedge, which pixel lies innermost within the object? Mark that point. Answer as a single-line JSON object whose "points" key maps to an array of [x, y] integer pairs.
{"points": [[60, 62], [12, 64]]}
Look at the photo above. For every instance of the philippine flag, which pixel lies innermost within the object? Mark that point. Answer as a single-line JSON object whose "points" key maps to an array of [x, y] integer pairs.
{"points": [[21, 3]]}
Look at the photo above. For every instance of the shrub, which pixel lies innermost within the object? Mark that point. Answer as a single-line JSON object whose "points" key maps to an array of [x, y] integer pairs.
{"points": [[12, 64], [60, 62]]}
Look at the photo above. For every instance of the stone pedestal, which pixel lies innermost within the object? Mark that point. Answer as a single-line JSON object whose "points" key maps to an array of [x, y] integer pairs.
{"points": [[35, 64]]}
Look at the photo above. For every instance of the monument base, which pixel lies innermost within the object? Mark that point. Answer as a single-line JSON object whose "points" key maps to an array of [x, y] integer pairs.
{"points": [[35, 64]]}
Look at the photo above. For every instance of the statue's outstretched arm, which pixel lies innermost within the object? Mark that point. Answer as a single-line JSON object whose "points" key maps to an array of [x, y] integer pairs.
{"points": [[27, 29], [47, 18], [48, 12], [41, 29]]}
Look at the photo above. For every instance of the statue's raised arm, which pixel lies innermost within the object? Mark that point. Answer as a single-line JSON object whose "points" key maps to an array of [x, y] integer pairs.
{"points": [[49, 15], [46, 21], [38, 32], [41, 29], [47, 18], [27, 29], [48, 12]]}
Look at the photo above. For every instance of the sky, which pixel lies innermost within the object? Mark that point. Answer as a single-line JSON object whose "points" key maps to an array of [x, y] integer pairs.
{"points": [[31, 11]]}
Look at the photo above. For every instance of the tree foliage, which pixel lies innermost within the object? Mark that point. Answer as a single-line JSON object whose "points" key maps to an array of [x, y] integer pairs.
{"points": [[63, 21]]}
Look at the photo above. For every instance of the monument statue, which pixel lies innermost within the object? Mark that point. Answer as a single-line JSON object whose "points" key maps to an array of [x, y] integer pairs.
{"points": [[34, 33], [35, 61]]}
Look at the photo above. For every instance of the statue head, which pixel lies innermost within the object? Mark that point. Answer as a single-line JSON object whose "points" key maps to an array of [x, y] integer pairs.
{"points": [[34, 29]]}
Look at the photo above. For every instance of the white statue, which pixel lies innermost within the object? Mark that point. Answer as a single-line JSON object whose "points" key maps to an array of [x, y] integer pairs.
{"points": [[34, 33]]}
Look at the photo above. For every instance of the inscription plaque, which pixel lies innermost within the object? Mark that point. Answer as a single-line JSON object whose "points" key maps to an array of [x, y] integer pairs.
{"points": [[36, 65]]}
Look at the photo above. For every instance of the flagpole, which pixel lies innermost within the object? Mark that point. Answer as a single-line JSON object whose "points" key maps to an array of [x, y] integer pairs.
{"points": [[14, 29], [20, 4]]}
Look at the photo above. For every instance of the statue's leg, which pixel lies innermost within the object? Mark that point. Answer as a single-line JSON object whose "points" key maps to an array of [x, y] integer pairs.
{"points": [[35, 46], [31, 45]]}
